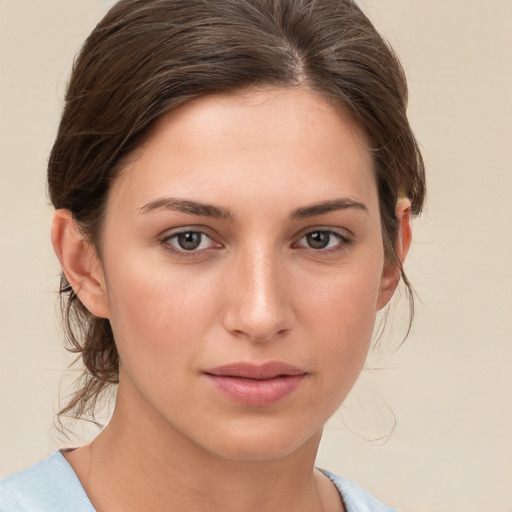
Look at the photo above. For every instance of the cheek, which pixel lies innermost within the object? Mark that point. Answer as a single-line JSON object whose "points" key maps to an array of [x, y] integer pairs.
{"points": [[345, 301], [341, 317], [157, 312]]}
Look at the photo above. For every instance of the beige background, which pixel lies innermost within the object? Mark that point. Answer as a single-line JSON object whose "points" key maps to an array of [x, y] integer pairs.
{"points": [[449, 386]]}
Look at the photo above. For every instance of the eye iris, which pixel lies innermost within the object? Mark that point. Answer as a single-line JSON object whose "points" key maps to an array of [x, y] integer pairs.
{"points": [[318, 239], [189, 241]]}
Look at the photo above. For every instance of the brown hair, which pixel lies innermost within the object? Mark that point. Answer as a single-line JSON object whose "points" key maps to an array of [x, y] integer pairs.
{"points": [[146, 57]]}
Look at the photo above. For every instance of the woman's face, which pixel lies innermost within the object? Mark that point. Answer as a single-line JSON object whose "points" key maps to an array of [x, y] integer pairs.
{"points": [[242, 264]]}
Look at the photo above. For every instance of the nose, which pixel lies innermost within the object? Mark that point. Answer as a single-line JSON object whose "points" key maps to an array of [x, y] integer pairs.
{"points": [[258, 305]]}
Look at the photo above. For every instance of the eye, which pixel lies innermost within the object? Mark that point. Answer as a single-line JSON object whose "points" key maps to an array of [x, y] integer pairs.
{"points": [[189, 241], [323, 239]]}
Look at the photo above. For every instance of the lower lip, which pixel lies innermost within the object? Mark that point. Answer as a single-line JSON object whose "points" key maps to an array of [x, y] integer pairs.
{"points": [[256, 393]]}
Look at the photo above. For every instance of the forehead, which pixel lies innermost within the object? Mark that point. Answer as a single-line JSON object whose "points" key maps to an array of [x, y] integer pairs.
{"points": [[264, 141]]}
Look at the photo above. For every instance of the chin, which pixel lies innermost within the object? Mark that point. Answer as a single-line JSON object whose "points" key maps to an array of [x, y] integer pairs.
{"points": [[259, 443]]}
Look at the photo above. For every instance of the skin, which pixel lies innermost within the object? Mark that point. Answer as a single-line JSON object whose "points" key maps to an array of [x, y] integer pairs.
{"points": [[254, 290]]}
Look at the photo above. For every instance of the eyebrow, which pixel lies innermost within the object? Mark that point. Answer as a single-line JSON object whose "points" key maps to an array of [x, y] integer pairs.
{"points": [[327, 207], [217, 212], [190, 207]]}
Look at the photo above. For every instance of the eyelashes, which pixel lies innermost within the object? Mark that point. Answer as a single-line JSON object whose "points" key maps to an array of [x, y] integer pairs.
{"points": [[189, 243], [324, 240], [195, 242]]}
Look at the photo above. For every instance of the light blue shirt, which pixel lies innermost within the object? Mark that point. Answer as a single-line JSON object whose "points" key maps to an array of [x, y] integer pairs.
{"points": [[52, 486]]}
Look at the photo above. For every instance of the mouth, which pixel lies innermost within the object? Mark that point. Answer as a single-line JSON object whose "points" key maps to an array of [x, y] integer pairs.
{"points": [[256, 385]]}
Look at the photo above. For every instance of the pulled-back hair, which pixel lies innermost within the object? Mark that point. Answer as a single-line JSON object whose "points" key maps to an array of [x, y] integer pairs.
{"points": [[147, 57]]}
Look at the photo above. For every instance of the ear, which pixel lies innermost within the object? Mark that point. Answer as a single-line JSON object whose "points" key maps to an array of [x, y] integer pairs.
{"points": [[80, 263], [391, 271]]}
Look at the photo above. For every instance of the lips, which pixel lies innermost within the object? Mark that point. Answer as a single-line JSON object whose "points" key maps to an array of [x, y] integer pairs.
{"points": [[256, 385]]}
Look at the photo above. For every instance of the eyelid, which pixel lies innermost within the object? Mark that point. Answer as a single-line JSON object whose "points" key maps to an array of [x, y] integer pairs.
{"points": [[192, 228], [344, 236], [170, 234]]}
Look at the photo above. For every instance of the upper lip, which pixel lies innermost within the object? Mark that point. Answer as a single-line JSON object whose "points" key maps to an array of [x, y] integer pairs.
{"points": [[245, 370]]}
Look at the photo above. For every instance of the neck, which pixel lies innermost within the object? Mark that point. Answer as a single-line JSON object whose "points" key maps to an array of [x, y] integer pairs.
{"points": [[139, 462]]}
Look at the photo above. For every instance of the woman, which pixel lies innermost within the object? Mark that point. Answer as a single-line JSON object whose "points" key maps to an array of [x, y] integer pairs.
{"points": [[233, 183]]}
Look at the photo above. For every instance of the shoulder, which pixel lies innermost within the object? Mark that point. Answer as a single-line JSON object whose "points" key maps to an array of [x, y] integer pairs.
{"points": [[355, 498], [49, 486]]}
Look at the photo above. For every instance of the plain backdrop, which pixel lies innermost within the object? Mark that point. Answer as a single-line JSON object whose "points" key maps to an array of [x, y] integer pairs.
{"points": [[428, 427]]}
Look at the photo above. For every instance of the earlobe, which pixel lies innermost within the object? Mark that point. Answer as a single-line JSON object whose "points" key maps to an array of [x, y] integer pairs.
{"points": [[391, 271], [79, 263]]}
